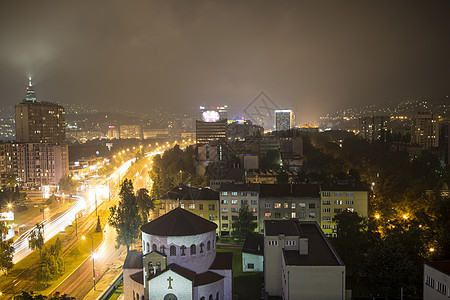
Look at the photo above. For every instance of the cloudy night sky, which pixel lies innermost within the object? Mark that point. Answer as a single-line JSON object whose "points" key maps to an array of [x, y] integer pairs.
{"points": [[312, 56]]}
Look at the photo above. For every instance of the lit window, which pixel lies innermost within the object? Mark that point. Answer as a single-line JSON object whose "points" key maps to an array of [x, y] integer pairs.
{"points": [[267, 215], [277, 205], [224, 193], [234, 193], [234, 202], [191, 206]]}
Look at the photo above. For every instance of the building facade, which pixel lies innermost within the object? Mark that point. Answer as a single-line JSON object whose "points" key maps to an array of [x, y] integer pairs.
{"points": [[338, 198], [41, 163], [289, 201], [425, 130], [207, 132], [436, 280], [232, 198], [373, 128], [203, 202], [283, 119]]}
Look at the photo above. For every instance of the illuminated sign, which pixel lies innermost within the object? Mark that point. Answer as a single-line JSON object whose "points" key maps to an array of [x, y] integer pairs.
{"points": [[7, 216], [210, 116]]}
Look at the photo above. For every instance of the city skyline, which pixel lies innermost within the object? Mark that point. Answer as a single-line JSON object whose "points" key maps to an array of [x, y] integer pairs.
{"points": [[311, 57]]}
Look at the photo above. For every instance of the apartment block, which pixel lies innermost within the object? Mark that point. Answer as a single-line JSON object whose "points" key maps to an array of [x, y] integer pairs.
{"points": [[338, 198], [289, 201], [203, 202], [232, 197]]}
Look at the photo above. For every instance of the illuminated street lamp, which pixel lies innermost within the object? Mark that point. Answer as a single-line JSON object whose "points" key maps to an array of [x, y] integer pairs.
{"points": [[377, 216], [94, 255], [405, 217], [431, 249]]}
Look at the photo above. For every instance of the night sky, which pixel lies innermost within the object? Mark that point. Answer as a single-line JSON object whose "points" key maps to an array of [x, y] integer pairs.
{"points": [[313, 56]]}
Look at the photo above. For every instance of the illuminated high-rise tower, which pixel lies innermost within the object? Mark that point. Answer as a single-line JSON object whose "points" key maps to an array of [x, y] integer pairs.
{"points": [[30, 94], [39, 121]]}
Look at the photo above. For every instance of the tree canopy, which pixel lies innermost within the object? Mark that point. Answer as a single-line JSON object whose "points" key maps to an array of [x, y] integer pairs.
{"points": [[6, 249], [124, 216], [243, 224]]}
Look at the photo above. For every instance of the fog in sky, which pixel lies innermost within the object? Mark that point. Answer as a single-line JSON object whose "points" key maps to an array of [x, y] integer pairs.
{"points": [[312, 56]]}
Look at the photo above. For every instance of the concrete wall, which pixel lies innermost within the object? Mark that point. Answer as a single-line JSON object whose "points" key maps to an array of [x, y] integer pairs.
{"points": [[209, 289], [227, 283], [313, 282], [256, 260], [431, 292], [130, 286], [159, 286]]}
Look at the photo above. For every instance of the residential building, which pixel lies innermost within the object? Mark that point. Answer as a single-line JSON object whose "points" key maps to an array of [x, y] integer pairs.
{"points": [[8, 162], [373, 128], [289, 201], [300, 262], [178, 261], [284, 119], [425, 130], [253, 253], [436, 280], [41, 163], [338, 198], [40, 122], [203, 202], [232, 198]]}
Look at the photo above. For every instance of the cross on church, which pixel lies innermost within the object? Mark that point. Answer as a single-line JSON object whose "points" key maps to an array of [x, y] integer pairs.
{"points": [[170, 282], [183, 247]]}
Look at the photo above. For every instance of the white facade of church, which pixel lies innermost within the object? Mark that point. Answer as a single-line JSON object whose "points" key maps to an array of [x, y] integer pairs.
{"points": [[178, 261]]}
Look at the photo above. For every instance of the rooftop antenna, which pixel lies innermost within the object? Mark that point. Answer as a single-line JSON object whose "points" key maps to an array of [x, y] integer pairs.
{"points": [[29, 80]]}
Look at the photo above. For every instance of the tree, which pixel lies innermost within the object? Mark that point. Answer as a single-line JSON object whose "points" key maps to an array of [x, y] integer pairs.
{"points": [[6, 250], [389, 267], [36, 240], [272, 159], [51, 265], [244, 224], [351, 242], [67, 183], [145, 203], [123, 216]]}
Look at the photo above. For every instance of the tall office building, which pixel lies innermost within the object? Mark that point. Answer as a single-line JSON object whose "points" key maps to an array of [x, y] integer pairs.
{"points": [[207, 132], [373, 128], [425, 130], [39, 122], [283, 119]]}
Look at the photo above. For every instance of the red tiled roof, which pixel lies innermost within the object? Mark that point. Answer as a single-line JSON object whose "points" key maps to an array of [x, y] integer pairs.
{"points": [[138, 277], [133, 260], [207, 278], [223, 261]]}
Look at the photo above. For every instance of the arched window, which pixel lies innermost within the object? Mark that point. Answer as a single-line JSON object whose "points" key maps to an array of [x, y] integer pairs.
{"points": [[202, 298], [201, 247], [137, 296], [154, 247], [173, 250], [208, 246], [210, 297], [193, 249], [134, 295], [217, 296], [148, 247]]}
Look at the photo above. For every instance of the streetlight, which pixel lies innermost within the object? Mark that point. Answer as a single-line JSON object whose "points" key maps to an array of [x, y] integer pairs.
{"points": [[377, 216], [93, 256]]}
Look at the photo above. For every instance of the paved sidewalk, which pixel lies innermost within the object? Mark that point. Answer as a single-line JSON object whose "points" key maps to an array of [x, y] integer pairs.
{"points": [[108, 278]]}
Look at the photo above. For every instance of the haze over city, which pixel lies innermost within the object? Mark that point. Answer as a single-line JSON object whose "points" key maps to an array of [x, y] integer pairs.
{"points": [[312, 56], [165, 150]]}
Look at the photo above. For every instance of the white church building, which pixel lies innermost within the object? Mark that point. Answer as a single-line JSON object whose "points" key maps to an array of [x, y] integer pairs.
{"points": [[178, 261]]}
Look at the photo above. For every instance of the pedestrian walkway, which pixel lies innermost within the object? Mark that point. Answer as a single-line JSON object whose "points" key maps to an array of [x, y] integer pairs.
{"points": [[108, 278]]}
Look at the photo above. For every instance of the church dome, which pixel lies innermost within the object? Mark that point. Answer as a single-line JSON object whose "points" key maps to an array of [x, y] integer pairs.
{"points": [[178, 222]]}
